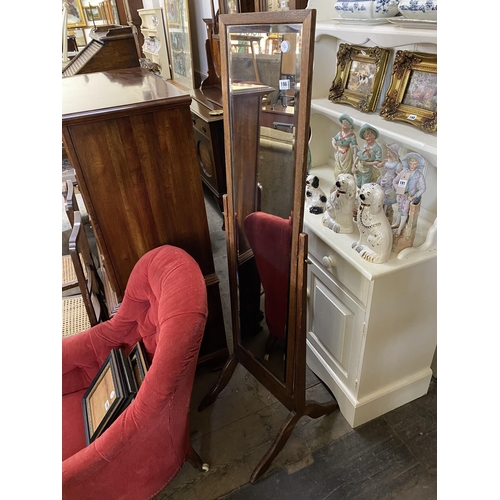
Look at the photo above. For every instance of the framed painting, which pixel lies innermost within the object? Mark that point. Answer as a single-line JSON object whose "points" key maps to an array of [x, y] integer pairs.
{"points": [[139, 363], [75, 14], [229, 7], [179, 37], [412, 93], [173, 13], [92, 13], [360, 76], [108, 395], [81, 38]]}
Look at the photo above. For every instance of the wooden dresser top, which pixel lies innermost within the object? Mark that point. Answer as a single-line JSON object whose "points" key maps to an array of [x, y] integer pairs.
{"points": [[114, 92]]}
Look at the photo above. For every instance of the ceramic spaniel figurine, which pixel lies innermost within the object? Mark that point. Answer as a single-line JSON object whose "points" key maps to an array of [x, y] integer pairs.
{"points": [[340, 205], [368, 157], [375, 234], [390, 167], [345, 146], [410, 186], [315, 196]]}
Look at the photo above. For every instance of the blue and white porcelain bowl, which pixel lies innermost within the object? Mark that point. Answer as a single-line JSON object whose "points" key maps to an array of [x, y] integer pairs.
{"points": [[366, 9], [419, 9]]}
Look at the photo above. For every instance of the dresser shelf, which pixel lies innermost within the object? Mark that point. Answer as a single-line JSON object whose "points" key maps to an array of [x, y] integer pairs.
{"points": [[371, 327]]}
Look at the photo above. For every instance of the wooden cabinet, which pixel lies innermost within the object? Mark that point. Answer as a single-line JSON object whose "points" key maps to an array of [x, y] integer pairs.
{"points": [[371, 327], [209, 138], [129, 136]]}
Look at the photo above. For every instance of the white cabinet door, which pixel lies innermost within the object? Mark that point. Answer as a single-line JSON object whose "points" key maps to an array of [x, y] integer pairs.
{"points": [[335, 327]]}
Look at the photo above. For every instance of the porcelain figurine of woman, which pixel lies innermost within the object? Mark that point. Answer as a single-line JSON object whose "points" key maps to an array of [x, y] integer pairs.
{"points": [[390, 167], [369, 156], [409, 185], [345, 145]]}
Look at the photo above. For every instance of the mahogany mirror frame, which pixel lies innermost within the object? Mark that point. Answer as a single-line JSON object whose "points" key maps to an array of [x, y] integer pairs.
{"points": [[291, 391]]}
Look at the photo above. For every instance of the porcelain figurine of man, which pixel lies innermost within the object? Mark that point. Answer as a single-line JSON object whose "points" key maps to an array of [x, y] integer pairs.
{"points": [[369, 156], [410, 185], [345, 145]]}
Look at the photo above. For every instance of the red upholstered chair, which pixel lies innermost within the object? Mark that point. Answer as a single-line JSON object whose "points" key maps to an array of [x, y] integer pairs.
{"points": [[270, 237], [165, 307]]}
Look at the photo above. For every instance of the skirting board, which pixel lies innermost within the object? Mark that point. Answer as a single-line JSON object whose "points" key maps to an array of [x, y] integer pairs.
{"points": [[377, 404]]}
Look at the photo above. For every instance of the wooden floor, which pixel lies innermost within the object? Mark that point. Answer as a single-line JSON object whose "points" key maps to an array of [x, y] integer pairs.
{"points": [[393, 456]]}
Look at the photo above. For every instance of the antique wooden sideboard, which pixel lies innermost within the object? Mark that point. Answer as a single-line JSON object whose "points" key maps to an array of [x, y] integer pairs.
{"points": [[129, 135]]}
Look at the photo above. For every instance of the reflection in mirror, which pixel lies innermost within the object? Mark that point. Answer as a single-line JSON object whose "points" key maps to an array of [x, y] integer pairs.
{"points": [[264, 83], [264, 55]]}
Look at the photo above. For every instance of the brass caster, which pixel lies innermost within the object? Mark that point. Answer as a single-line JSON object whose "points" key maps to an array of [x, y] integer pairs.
{"points": [[266, 357], [205, 467]]}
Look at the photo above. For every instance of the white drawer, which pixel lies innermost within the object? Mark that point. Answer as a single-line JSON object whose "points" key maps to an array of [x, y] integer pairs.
{"points": [[345, 275]]}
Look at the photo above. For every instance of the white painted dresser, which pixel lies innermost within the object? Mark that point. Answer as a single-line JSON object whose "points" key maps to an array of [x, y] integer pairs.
{"points": [[371, 327]]}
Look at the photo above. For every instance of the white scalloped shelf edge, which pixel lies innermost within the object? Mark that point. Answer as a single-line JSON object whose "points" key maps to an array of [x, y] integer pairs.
{"points": [[405, 134], [384, 35]]}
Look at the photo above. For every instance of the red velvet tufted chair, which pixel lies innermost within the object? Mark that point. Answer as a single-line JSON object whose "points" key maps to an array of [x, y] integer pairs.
{"points": [[165, 307]]}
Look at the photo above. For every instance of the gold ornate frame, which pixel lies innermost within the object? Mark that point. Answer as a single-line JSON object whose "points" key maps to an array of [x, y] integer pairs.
{"points": [[393, 108], [83, 21], [343, 92]]}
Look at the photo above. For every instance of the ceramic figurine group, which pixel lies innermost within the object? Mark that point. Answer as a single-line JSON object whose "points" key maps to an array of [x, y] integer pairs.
{"points": [[365, 190]]}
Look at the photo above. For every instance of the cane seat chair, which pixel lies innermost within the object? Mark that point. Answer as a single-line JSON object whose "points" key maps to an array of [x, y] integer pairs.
{"points": [[90, 302], [69, 279]]}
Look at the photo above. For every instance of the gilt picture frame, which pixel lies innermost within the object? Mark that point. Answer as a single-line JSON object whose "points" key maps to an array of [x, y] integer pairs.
{"points": [[173, 11], [76, 18], [360, 76], [412, 93], [81, 38]]}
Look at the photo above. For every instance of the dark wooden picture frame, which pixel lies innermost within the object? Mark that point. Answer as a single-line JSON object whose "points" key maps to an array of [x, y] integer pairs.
{"points": [[112, 389], [412, 73], [360, 76], [139, 363]]}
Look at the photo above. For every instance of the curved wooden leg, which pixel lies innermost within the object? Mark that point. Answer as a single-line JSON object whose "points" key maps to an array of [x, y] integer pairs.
{"points": [[314, 409], [280, 441], [222, 381]]}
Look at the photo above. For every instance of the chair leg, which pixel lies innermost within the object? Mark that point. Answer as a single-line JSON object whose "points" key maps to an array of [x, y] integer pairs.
{"points": [[195, 460]]}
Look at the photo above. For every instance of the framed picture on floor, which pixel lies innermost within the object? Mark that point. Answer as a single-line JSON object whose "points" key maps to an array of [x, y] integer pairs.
{"points": [[412, 93], [360, 76], [139, 363], [111, 391]]}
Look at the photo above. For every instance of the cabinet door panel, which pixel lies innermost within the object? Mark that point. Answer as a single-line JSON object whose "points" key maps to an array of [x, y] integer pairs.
{"points": [[335, 325]]}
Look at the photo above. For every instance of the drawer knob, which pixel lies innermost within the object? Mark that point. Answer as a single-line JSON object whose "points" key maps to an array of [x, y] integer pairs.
{"points": [[329, 261], [204, 129]]}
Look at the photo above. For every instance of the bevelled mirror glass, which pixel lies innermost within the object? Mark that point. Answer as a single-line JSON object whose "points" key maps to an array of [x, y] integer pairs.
{"points": [[266, 90], [265, 76]]}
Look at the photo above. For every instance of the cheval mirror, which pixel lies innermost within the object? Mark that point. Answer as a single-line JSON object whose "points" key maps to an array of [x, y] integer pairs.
{"points": [[266, 73]]}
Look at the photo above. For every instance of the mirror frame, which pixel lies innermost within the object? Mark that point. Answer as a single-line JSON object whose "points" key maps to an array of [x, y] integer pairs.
{"points": [[292, 391], [285, 390]]}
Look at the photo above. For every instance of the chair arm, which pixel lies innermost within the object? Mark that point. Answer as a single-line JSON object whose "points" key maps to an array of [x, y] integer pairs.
{"points": [[82, 356]]}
